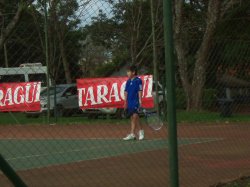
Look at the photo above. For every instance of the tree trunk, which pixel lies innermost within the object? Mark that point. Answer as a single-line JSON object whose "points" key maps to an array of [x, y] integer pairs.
{"points": [[11, 26], [183, 70], [60, 30], [132, 49], [136, 18], [194, 88], [65, 62], [199, 75], [181, 51]]}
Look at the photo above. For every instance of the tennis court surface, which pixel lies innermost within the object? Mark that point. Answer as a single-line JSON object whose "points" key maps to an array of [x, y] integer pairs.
{"points": [[29, 154], [95, 155]]}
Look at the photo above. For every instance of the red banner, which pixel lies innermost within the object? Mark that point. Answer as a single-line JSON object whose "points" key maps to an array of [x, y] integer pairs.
{"points": [[109, 92], [20, 96]]}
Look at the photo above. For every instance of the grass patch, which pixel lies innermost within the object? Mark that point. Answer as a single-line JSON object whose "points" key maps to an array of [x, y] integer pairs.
{"points": [[21, 119], [182, 117], [203, 117]]}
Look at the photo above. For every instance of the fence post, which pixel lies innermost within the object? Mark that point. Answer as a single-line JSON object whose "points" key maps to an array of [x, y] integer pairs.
{"points": [[47, 59], [10, 173], [171, 98], [155, 64]]}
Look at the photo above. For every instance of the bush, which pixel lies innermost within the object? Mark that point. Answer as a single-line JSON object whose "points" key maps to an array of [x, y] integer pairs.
{"points": [[181, 101], [208, 100], [105, 69]]}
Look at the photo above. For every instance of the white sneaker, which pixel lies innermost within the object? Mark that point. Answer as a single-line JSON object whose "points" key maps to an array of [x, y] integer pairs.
{"points": [[141, 134], [129, 137]]}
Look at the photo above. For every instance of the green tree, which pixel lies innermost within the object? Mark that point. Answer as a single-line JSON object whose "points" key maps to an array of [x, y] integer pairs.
{"points": [[97, 45], [127, 33], [22, 44], [233, 43], [134, 29], [61, 13], [64, 37], [10, 15], [200, 22], [196, 23], [9, 23]]}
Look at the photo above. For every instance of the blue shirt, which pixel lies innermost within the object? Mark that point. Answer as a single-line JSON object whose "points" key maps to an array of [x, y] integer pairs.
{"points": [[133, 86]]}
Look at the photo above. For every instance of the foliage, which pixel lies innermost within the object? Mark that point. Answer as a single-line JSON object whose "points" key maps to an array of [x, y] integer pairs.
{"points": [[232, 44], [123, 36], [23, 45], [182, 117], [26, 44], [208, 99], [127, 34], [180, 99]]}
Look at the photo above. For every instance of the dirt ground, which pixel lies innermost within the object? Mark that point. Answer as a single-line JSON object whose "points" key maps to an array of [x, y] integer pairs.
{"points": [[202, 164], [242, 181]]}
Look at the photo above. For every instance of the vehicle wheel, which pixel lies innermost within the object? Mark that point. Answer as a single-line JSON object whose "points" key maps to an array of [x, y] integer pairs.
{"points": [[120, 114], [32, 115], [28, 116], [161, 107], [59, 112], [92, 116], [68, 113]]}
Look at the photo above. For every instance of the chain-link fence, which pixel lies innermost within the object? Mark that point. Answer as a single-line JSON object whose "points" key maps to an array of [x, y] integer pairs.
{"points": [[63, 82]]}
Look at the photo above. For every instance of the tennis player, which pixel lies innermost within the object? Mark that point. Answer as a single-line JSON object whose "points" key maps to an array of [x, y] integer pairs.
{"points": [[133, 101]]}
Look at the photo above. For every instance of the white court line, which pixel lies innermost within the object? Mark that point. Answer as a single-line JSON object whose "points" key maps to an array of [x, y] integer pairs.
{"points": [[58, 138], [113, 155], [98, 147], [79, 150]]}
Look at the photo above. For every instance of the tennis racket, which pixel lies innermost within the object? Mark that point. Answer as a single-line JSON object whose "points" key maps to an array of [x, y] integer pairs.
{"points": [[153, 119]]}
